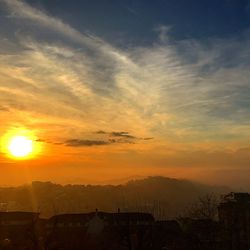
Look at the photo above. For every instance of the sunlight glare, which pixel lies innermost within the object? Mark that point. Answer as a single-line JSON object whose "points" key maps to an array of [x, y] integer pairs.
{"points": [[20, 146]]}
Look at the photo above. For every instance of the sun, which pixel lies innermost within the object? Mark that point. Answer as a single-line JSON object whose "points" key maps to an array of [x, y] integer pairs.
{"points": [[20, 146]]}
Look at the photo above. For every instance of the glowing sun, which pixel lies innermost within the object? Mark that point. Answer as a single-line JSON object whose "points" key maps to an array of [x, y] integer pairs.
{"points": [[20, 146]]}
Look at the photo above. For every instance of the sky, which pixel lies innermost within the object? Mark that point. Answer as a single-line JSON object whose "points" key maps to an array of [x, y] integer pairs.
{"points": [[117, 89]]}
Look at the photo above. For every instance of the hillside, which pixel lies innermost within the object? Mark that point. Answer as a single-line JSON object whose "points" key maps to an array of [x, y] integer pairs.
{"points": [[164, 197]]}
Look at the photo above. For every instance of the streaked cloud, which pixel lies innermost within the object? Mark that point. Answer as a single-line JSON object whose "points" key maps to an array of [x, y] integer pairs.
{"points": [[81, 143], [190, 96]]}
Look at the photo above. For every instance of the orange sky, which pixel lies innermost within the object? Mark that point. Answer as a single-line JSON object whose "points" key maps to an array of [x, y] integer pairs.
{"points": [[100, 113]]}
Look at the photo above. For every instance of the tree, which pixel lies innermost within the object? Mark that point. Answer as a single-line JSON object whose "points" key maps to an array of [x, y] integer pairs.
{"points": [[206, 207]]}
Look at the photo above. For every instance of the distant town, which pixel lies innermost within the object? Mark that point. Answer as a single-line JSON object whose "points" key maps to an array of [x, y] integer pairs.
{"points": [[130, 230]]}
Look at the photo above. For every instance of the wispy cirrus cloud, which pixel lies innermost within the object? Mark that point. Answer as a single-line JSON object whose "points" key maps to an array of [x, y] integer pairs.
{"points": [[186, 92]]}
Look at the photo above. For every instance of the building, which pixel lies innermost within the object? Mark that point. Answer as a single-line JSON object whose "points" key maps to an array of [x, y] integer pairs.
{"points": [[18, 230], [234, 218], [99, 230], [129, 230]]}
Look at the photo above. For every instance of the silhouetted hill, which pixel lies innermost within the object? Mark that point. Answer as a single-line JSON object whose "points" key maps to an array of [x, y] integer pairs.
{"points": [[164, 197]]}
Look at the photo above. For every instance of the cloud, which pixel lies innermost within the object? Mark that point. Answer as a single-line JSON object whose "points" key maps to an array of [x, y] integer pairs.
{"points": [[20, 9], [122, 134], [117, 134], [132, 10], [183, 92], [108, 138], [163, 33], [83, 143], [170, 105]]}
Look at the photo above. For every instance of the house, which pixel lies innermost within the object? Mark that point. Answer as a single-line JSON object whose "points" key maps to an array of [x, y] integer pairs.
{"points": [[234, 217], [98, 230], [18, 230]]}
